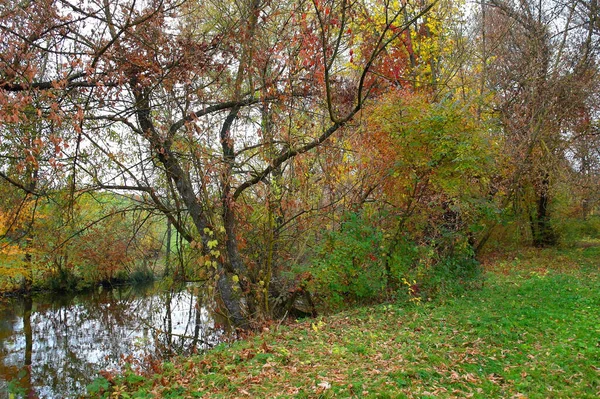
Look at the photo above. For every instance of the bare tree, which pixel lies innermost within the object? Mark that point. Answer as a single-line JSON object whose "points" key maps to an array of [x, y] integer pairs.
{"points": [[543, 62]]}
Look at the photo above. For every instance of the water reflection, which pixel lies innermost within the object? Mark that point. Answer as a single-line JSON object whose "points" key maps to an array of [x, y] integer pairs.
{"points": [[52, 347]]}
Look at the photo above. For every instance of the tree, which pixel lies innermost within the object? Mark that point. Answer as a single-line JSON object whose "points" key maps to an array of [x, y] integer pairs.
{"points": [[540, 80], [199, 102]]}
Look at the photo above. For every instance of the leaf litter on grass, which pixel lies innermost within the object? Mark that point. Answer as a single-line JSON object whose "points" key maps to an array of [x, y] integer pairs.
{"points": [[536, 336]]}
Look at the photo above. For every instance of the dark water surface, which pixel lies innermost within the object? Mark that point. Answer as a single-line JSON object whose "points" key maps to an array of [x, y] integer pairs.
{"points": [[52, 346]]}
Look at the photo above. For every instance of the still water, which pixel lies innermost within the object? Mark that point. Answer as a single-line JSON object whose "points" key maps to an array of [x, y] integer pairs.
{"points": [[53, 346]]}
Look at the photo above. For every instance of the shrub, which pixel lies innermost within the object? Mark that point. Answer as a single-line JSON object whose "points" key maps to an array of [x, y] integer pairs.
{"points": [[348, 266], [355, 264], [574, 230], [63, 280], [142, 274]]}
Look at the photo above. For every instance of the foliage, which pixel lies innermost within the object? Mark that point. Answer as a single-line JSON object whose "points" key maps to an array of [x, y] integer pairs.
{"points": [[429, 166], [436, 154], [573, 222], [141, 275], [100, 239], [572, 231], [195, 106], [348, 266], [63, 280], [351, 266], [98, 386]]}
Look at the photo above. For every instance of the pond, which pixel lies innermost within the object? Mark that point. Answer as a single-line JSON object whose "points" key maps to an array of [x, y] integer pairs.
{"points": [[53, 346]]}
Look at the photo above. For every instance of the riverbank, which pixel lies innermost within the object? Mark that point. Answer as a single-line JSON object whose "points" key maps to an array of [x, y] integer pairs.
{"points": [[531, 331], [69, 283]]}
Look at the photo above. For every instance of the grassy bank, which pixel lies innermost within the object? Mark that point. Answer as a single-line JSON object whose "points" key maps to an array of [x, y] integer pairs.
{"points": [[532, 331]]}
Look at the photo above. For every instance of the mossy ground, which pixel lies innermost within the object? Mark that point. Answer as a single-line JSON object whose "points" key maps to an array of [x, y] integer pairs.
{"points": [[531, 331]]}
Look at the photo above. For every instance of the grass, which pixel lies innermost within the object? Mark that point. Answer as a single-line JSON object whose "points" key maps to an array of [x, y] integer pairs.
{"points": [[532, 331]]}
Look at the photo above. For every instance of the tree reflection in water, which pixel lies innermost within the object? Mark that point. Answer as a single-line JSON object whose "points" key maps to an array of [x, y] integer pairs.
{"points": [[54, 346]]}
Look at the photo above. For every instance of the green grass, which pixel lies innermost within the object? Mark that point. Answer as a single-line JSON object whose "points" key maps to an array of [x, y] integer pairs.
{"points": [[532, 331]]}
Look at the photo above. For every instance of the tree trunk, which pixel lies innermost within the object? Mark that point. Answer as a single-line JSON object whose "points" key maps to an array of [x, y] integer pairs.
{"points": [[542, 231], [233, 301], [183, 185], [168, 250]]}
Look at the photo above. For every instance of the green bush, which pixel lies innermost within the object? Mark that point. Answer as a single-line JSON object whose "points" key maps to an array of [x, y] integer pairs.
{"points": [[451, 276], [98, 386], [349, 266], [442, 266], [356, 264], [574, 230], [63, 280], [142, 274]]}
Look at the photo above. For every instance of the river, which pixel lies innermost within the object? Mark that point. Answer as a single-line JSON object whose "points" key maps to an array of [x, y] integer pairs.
{"points": [[53, 346]]}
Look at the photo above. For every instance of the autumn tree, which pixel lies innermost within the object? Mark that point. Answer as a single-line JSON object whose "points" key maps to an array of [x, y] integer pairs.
{"points": [[539, 60], [200, 102]]}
